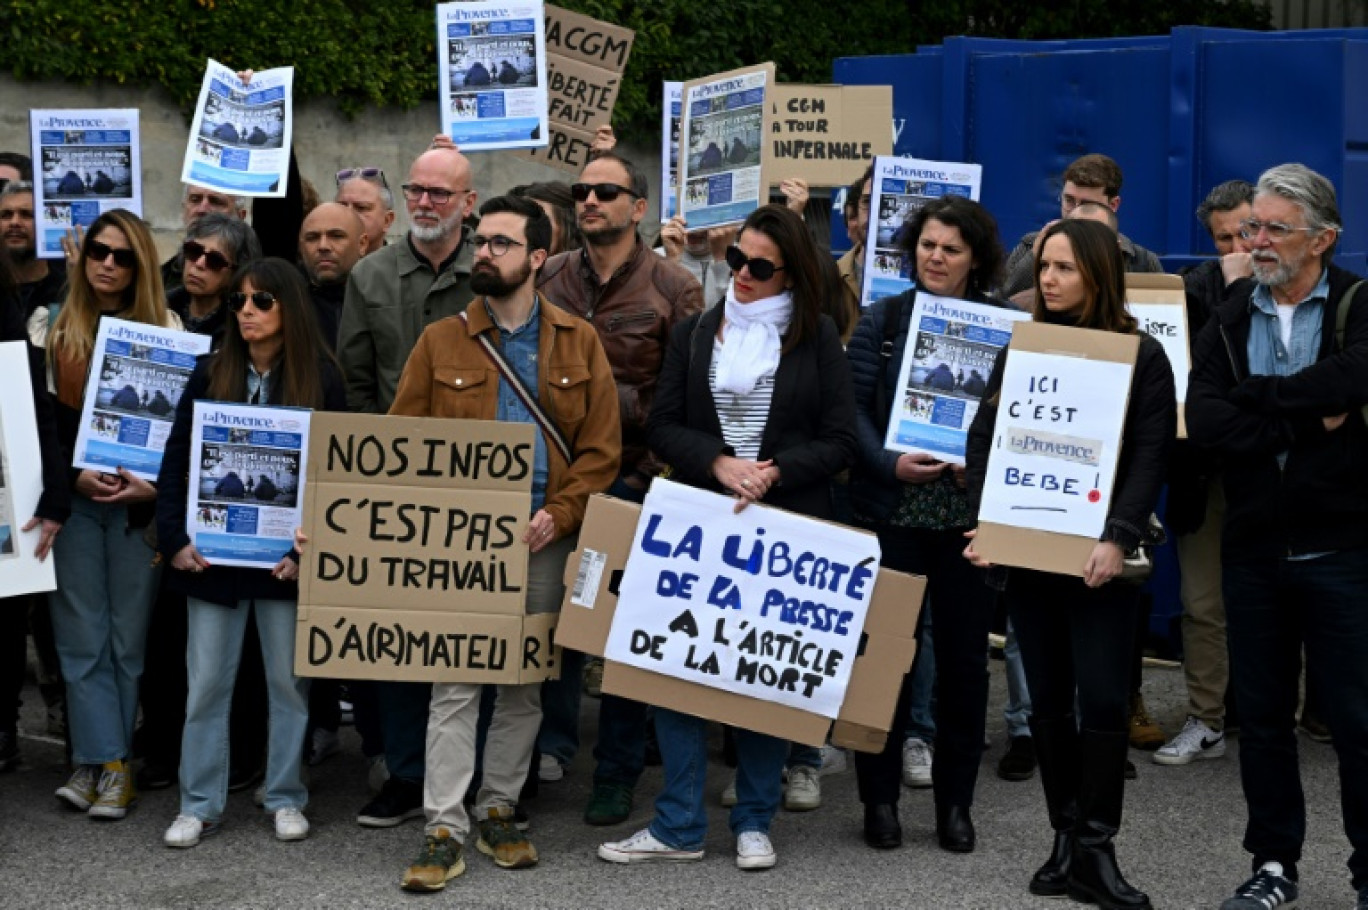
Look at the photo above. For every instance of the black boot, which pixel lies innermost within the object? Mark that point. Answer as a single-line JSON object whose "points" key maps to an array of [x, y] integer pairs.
{"points": [[1093, 874], [882, 831], [1056, 745], [955, 829]]}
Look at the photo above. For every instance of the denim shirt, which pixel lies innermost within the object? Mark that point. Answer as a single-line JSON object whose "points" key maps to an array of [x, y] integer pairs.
{"points": [[520, 350], [258, 385]]}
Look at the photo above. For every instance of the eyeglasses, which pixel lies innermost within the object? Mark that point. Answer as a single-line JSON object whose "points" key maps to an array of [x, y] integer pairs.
{"points": [[604, 192], [262, 300], [498, 244], [1277, 231], [100, 252], [1068, 203], [373, 174], [413, 192], [760, 269], [194, 251]]}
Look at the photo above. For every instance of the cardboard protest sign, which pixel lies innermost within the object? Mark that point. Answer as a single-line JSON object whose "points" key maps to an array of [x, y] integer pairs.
{"points": [[595, 577], [1061, 411], [21, 479], [415, 568], [585, 59], [1159, 302], [827, 134], [725, 120]]}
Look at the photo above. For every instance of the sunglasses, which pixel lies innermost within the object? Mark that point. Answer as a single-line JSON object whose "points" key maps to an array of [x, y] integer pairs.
{"points": [[194, 251], [373, 174], [604, 192], [760, 269], [262, 300], [100, 252]]}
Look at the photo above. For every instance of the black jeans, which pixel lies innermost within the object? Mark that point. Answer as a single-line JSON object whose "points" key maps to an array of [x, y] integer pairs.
{"points": [[1272, 609], [164, 688], [962, 606], [14, 614]]}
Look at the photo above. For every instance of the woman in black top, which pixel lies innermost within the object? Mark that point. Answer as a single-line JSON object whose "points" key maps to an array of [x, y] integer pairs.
{"points": [[1076, 634]]}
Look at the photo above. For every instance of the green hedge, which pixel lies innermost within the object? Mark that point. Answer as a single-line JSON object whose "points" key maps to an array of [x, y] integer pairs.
{"points": [[383, 53]]}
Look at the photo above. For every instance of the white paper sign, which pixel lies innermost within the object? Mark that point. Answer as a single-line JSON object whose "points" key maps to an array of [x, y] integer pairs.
{"points": [[1167, 324], [951, 347], [491, 59], [131, 395], [85, 163], [21, 479], [240, 137], [1055, 444], [764, 603], [669, 149], [246, 482], [899, 188], [722, 131]]}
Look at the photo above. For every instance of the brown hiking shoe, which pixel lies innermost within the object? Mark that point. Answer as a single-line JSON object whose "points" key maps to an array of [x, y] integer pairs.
{"points": [[1145, 734], [501, 839], [439, 862]]}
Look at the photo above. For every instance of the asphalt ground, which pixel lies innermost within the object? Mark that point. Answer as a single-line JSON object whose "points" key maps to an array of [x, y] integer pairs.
{"points": [[1180, 842]]}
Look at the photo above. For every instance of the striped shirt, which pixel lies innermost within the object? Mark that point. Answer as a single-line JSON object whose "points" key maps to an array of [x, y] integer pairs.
{"points": [[742, 416]]}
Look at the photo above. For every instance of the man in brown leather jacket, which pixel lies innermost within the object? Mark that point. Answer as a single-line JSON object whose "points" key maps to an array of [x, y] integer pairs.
{"points": [[634, 299]]}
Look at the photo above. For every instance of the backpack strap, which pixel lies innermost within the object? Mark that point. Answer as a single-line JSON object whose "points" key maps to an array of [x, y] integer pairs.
{"points": [[892, 318], [1342, 320]]}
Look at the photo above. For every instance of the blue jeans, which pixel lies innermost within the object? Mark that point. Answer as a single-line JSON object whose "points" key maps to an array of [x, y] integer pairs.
{"points": [[560, 702], [921, 711], [212, 656], [100, 611], [1017, 711], [681, 819], [1272, 609]]}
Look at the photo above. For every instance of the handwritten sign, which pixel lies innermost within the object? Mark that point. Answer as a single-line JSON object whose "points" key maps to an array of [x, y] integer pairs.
{"points": [[828, 134], [1159, 304], [764, 603]]}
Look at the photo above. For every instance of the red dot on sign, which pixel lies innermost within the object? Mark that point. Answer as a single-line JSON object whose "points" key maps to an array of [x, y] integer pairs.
{"points": [[1094, 496]]}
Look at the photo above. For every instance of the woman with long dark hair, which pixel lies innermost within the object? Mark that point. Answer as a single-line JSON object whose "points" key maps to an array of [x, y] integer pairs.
{"points": [[272, 354], [1076, 633], [754, 401]]}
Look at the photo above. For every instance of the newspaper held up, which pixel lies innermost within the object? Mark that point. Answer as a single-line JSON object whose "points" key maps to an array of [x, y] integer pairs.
{"points": [[722, 129], [86, 162], [246, 482], [240, 138], [9, 528], [21, 478], [900, 187], [951, 347], [491, 59], [669, 149], [138, 373]]}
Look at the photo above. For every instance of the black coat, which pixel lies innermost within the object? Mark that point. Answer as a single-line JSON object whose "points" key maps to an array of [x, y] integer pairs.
{"points": [[810, 431], [1146, 441], [55, 502], [1318, 501], [218, 584]]}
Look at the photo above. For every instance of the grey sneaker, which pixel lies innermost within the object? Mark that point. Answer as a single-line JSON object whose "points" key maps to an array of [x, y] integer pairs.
{"points": [[804, 790], [1267, 890], [916, 764], [82, 788]]}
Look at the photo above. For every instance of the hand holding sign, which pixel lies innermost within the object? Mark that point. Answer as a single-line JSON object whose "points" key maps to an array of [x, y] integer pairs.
{"points": [[188, 559], [918, 468], [46, 536], [541, 530], [1103, 565], [748, 480], [673, 236]]}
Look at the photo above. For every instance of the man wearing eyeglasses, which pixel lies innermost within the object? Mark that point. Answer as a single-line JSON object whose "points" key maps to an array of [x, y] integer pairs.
{"points": [[41, 281], [1279, 381], [392, 295], [366, 192], [634, 299]]}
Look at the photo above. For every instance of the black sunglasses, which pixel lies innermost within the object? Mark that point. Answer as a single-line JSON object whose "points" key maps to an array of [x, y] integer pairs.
{"points": [[194, 251], [760, 269], [100, 252], [605, 192], [262, 300]]}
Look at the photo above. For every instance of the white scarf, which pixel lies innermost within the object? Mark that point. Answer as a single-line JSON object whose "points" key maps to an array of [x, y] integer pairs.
{"points": [[750, 341]]}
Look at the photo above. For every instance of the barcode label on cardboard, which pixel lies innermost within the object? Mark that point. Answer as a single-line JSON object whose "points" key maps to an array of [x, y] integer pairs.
{"points": [[588, 577]]}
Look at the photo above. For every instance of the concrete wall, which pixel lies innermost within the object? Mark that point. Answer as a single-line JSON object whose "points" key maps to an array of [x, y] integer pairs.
{"points": [[324, 141]]}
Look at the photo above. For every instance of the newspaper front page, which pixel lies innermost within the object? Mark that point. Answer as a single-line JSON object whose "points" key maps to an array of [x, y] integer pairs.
{"points": [[86, 162], [669, 149], [21, 478], [722, 134], [492, 65], [240, 137]]}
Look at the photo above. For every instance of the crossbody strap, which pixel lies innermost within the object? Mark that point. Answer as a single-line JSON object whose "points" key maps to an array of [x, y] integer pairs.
{"points": [[549, 429]]}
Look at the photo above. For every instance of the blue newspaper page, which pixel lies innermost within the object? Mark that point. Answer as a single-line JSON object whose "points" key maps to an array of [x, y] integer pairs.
{"points": [[86, 162], [491, 61]]}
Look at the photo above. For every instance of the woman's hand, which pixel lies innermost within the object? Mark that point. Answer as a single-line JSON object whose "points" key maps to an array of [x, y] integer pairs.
{"points": [[541, 530], [286, 570], [131, 489], [749, 481], [1103, 565], [972, 555], [918, 468], [188, 559], [301, 540], [45, 537], [672, 238], [961, 478], [93, 484]]}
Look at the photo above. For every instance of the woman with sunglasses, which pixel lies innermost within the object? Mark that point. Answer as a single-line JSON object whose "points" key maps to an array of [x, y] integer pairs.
{"points": [[106, 571], [920, 510], [215, 246], [1076, 633], [272, 354], [754, 401]]}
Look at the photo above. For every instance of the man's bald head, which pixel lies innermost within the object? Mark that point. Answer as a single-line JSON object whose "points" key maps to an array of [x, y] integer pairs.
{"points": [[330, 243]]}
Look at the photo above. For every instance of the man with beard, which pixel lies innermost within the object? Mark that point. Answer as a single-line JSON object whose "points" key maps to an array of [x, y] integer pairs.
{"points": [[1279, 382], [331, 242], [41, 281], [568, 393], [634, 299], [392, 295]]}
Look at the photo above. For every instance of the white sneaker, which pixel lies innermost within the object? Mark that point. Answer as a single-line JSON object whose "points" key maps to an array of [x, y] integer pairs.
{"points": [[290, 824], [1196, 740], [186, 831], [916, 764], [549, 770], [754, 851], [325, 746], [378, 774], [804, 790], [728, 798], [833, 760], [642, 847]]}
